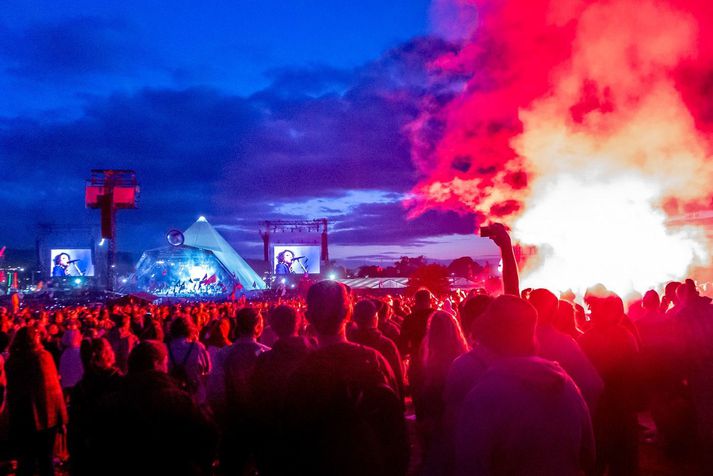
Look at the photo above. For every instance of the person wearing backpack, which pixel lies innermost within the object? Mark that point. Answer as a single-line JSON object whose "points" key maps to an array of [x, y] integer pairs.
{"points": [[343, 411], [188, 360]]}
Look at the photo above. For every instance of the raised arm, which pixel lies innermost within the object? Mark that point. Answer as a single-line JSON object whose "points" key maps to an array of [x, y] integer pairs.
{"points": [[511, 279]]}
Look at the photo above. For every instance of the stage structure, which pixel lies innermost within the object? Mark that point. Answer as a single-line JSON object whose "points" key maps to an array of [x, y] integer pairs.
{"points": [[295, 246], [196, 263], [110, 190]]}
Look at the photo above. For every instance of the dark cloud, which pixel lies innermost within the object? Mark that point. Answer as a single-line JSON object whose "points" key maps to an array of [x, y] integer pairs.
{"points": [[69, 47], [315, 132], [386, 224]]}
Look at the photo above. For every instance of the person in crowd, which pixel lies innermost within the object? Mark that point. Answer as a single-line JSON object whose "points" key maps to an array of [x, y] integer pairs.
{"points": [[216, 336], [229, 392], [563, 349], [188, 361], [152, 329], [150, 425], [387, 323], [100, 378], [693, 315], [669, 298], [470, 310], [70, 363], [343, 414], [35, 403], [272, 372], [413, 328], [443, 343], [525, 415], [122, 340], [565, 320], [664, 378], [367, 333], [613, 351]]}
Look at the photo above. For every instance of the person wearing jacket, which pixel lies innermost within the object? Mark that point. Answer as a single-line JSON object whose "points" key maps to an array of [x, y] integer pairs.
{"points": [[35, 403]]}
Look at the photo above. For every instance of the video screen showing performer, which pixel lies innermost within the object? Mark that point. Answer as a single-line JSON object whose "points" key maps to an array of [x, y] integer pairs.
{"points": [[296, 259], [71, 262]]}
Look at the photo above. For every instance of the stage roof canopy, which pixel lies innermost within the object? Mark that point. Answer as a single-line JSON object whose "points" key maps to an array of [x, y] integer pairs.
{"points": [[202, 235]]}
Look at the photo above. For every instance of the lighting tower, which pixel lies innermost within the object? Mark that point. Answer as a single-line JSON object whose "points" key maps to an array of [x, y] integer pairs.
{"points": [[110, 190]]}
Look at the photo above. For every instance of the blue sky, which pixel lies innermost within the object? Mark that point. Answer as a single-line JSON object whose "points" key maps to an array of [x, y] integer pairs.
{"points": [[237, 110]]}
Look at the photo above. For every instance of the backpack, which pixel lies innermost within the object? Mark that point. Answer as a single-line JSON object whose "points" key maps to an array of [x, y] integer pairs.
{"points": [[179, 374]]}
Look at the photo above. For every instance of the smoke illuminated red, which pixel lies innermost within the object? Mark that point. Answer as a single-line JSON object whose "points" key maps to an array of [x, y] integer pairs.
{"points": [[583, 125]]}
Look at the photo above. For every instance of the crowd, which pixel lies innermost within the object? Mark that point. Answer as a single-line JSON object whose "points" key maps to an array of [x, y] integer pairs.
{"points": [[525, 382]]}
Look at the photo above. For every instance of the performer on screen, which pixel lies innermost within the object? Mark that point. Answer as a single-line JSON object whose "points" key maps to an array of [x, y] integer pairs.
{"points": [[284, 262], [64, 265], [61, 265]]}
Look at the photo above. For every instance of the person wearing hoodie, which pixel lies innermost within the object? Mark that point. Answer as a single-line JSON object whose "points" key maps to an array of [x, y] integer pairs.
{"points": [[525, 415], [563, 349]]}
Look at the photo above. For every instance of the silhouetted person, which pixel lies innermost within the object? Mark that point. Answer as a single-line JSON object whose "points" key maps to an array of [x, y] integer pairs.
{"points": [[565, 321], [561, 348], [101, 378], [413, 328], [35, 403], [188, 359], [271, 375], [150, 426], [229, 391], [443, 343], [367, 333], [613, 351], [525, 415], [122, 340], [470, 310], [344, 415]]}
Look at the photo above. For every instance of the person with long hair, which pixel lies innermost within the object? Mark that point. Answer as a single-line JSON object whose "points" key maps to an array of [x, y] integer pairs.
{"points": [[442, 344], [35, 403]]}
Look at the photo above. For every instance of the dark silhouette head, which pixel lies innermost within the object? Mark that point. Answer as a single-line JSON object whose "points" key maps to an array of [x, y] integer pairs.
{"points": [[182, 327], [96, 354], [26, 340], [507, 328], [328, 307], [473, 308], [651, 301], [248, 322], [565, 320], [284, 321], [545, 302], [148, 355], [422, 299], [365, 314]]}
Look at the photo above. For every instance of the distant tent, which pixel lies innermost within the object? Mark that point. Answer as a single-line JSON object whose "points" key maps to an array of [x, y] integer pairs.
{"points": [[202, 235], [205, 263], [375, 283]]}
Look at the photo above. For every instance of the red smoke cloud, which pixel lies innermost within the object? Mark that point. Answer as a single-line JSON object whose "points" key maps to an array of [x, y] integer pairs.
{"points": [[575, 122]]}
